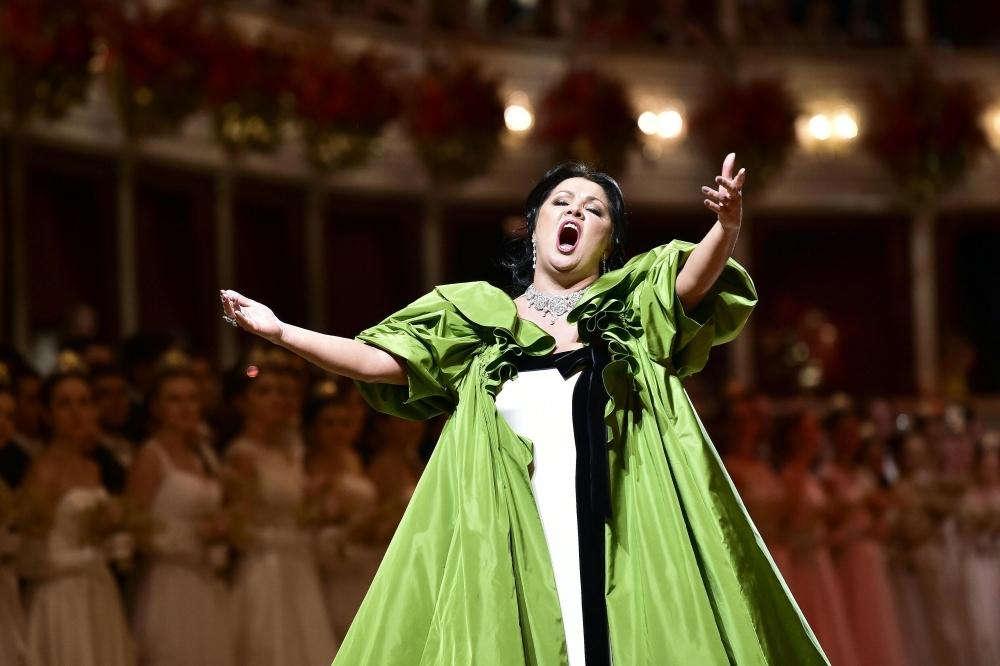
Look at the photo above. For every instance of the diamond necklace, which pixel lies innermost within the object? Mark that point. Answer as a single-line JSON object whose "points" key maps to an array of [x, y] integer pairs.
{"points": [[556, 305]]}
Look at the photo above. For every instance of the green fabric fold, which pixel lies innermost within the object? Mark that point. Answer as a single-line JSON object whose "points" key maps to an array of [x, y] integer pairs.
{"points": [[467, 578]]}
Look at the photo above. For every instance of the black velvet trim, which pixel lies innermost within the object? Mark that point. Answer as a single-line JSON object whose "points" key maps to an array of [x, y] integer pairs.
{"points": [[593, 498]]}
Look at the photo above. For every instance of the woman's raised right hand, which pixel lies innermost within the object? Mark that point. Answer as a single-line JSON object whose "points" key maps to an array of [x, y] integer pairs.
{"points": [[251, 315]]}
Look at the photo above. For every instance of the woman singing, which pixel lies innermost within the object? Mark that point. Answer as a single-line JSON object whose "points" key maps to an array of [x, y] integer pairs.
{"points": [[574, 508]]}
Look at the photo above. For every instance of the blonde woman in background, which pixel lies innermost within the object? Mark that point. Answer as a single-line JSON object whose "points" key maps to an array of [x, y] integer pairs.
{"points": [[182, 610], [281, 616]]}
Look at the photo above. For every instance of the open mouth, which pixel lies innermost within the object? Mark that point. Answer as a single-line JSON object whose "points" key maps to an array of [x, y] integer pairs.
{"points": [[569, 236]]}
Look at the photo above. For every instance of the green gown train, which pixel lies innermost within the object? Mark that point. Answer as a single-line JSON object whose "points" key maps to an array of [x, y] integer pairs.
{"points": [[467, 579]]}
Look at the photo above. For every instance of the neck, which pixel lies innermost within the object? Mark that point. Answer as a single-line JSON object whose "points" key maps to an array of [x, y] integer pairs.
{"points": [[268, 435], [560, 285], [176, 439], [66, 447]]}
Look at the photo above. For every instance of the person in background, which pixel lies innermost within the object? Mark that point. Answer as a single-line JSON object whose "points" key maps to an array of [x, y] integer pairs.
{"points": [[12, 624], [761, 490], [918, 507], [14, 460], [27, 386], [182, 609], [114, 452], [858, 555], [347, 498], [76, 616], [811, 576], [979, 522], [280, 614], [396, 467]]}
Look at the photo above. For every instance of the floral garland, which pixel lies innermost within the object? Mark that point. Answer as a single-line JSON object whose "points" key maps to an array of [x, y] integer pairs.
{"points": [[344, 106], [249, 91], [455, 117], [925, 131], [755, 120], [45, 49], [587, 117], [159, 66]]}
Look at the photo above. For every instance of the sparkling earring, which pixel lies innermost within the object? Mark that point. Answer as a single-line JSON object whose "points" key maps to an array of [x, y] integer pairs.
{"points": [[534, 254], [604, 265]]}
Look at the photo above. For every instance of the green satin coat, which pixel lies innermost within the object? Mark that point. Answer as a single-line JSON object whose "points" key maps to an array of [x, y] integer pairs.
{"points": [[467, 579]]}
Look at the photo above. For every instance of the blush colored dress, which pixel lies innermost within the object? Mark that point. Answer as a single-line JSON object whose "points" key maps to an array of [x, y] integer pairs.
{"points": [[765, 497], [861, 568], [812, 577]]}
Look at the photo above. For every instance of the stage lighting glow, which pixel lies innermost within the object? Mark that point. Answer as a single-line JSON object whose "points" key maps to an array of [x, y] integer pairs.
{"points": [[819, 127], [648, 122], [996, 122], [845, 127], [518, 118], [669, 124]]}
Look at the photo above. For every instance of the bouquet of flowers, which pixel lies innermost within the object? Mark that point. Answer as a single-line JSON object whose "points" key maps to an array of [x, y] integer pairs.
{"points": [[587, 117], [160, 65], [343, 105], [755, 120], [45, 50], [455, 117], [925, 131], [249, 91], [119, 526]]}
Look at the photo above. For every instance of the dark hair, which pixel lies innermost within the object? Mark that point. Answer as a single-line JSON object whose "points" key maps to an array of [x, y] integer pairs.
{"points": [[518, 259], [318, 402]]}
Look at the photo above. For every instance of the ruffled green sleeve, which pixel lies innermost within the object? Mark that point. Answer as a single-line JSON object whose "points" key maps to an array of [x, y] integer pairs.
{"points": [[437, 343], [681, 340]]}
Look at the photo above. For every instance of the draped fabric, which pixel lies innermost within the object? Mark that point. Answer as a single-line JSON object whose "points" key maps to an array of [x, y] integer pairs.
{"points": [[467, 578]]}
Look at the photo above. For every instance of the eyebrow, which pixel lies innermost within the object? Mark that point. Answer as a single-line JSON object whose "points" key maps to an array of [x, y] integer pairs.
{"points": [[590, 198]]}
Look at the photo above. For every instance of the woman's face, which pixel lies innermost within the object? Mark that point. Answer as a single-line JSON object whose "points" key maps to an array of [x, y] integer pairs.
{"points": [[7, 409], [72, 413], [335, 428], [265, 402], [989, 467], [573, 231], [807, 437], [177, 406], [913, 457], [846, 436], [293, 395]]}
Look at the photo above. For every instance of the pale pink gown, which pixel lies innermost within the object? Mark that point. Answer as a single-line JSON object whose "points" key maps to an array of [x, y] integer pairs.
{"points": [[861, 568], [811, 576], [980, 519], [764, 497]]}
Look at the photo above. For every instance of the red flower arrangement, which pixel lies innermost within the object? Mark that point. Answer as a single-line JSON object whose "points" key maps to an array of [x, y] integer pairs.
{"points": [[925, 131], [587, 117], [343, 106], [160, 66], [45, 50], [455, 117], [755, 120], [249, 90]]}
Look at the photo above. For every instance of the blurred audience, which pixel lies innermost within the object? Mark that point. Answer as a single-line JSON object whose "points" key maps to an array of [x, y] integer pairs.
{"points": [[884, 521]]}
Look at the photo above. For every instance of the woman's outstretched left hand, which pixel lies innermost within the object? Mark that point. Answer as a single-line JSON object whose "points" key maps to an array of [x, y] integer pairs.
{"points": [[727, 201]]}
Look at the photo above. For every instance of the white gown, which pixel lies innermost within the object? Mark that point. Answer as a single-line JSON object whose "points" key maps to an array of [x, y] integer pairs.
{"points": [[75, 616], [12, 624], [280, 614], [182, 610], [348, 568], [980, 509], [538, 405]]}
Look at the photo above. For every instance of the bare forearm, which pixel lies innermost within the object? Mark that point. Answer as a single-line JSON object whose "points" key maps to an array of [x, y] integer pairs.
{"points": [[343, 356], [705, 264]]}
